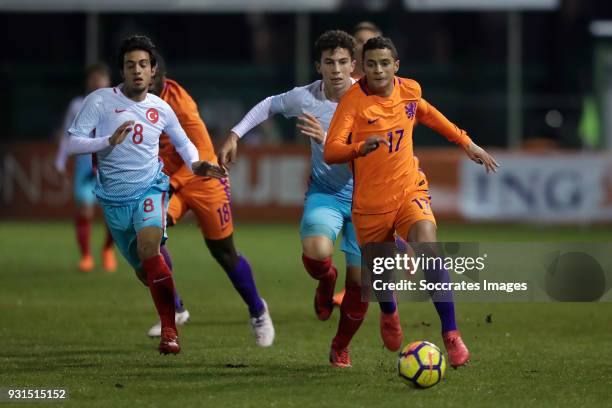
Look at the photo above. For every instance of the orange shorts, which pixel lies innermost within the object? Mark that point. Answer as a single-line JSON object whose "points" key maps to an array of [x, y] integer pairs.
{"points": [[381, 227], [210, 200]]}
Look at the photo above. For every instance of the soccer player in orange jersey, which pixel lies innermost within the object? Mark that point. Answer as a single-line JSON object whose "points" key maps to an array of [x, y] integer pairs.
{"points": [[210, 201], [372, 129]]}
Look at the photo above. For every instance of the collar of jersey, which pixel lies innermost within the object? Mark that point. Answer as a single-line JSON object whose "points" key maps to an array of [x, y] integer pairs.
{"points": [[123, 96], [363, 84], [353, 80]]}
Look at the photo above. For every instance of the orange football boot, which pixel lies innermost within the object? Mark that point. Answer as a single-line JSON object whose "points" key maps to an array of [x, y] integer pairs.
{"points": [[458, 353], [86, 264], [339, 358], [109, 262], [391, 331]]}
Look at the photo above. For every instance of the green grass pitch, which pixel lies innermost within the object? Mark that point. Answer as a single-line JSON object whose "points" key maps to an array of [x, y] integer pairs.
{"points": [[87, 332]]}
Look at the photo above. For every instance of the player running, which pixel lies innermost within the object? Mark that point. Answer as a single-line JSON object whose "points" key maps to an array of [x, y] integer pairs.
{"points": [[210, 200], [372, 129], [96, 76], [130, 184], [327, 208]]}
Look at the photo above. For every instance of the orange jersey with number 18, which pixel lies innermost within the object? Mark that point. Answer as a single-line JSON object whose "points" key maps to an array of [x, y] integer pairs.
{"points": [[387, 175]]}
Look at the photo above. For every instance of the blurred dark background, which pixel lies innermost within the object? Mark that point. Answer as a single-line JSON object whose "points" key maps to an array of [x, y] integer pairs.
{"points": [[228, 62]]}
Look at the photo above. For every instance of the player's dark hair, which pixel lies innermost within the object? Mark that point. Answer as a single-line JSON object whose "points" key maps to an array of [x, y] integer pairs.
{"points": [[157, 86], [137, 42], [332, 39], [97, 68], [380, 43], [160, 68], [366, 25]]}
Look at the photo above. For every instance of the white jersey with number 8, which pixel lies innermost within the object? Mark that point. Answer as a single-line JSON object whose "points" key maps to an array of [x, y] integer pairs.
{"points": [[129, 169]]}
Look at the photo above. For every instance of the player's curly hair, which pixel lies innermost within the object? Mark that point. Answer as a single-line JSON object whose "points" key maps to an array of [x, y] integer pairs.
{"points": [[332, 39], [137, 42], [380, 43]]}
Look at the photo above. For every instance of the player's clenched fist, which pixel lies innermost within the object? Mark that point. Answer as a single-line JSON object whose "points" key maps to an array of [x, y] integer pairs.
{"points": [[121, 133], [372, 143]]}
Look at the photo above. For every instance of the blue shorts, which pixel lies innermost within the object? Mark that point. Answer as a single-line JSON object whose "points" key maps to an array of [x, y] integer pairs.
{"points": [[124, 221], [326, 215], [84, 180]]}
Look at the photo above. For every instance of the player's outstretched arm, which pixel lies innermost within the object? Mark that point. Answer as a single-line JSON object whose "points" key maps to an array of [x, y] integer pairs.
{"points": [[226, 156], [428, 115], [480, 156]]}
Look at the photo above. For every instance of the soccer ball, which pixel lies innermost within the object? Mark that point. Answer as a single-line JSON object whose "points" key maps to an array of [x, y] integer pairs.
{"points": [[421, 364]]}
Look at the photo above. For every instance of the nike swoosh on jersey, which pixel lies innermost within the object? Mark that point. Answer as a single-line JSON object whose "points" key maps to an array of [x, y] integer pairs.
{"points": [[120, 110], [370, 121], [146, 219]]}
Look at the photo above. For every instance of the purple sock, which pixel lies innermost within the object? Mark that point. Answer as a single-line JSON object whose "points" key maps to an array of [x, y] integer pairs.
{"points": [[242, 279], [178, 303], [443, 300], [164, 251], [388, 307]]}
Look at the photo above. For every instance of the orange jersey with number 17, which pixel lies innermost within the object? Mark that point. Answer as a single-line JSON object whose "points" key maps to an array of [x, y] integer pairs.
{"points": [[387, 175]]}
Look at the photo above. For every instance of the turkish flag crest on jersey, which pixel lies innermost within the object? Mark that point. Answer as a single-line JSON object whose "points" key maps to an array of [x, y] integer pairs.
{"points": [[152, 115]]}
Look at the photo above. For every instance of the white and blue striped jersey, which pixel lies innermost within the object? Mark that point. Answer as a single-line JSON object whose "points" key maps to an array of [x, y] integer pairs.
{"points": [[126, 171], [336, 179]]}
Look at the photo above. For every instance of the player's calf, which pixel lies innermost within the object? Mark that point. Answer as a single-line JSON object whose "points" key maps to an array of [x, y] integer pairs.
{"points": [[161, 285]]}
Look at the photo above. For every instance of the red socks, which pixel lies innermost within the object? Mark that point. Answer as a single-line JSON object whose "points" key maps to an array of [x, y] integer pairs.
{"points": [[161, 285], [83, 232], [318, 269], [352, 313]]}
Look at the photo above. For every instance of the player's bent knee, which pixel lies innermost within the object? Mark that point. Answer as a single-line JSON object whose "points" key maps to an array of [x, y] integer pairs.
{"points": [[423, 231], [318, 247], [147, 249]]}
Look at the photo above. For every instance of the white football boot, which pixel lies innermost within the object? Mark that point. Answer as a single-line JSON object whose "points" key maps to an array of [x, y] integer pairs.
{"points": [[180, 318], [263, 328]]}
